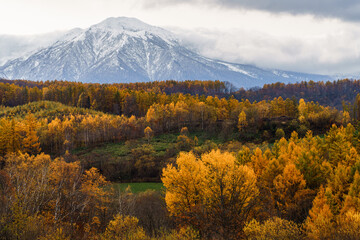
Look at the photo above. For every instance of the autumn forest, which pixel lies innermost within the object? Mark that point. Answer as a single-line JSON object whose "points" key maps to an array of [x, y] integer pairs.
{"points": [[278, 162]]}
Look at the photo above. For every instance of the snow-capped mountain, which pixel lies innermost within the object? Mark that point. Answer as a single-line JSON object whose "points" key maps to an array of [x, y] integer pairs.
{"points": [[15, 46], [128, 50]]}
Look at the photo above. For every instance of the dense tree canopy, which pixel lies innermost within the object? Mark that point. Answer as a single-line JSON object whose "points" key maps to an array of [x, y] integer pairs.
{"points": [[256, 164]]}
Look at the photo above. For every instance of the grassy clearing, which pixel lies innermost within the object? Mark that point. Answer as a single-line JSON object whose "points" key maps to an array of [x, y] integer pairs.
{"points": [[139, 187], [121, 162], [115, 149], [118, 150], [159, 143]]}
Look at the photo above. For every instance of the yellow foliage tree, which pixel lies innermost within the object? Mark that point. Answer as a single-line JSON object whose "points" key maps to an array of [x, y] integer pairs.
{"points": [[352, 200], [337, 144], [10, 139], [57, 190], [148, 132], [5, 128], [346, 118], [302, 110], [31, 142], [30, 178], [338, 185], [124, 228], [213, 193], [320, 223], [275, 228], [311, 163], [242, 122], [184, 185], [348, 225], [258, 162], [244, 156], [185, 233], [289, 189]]}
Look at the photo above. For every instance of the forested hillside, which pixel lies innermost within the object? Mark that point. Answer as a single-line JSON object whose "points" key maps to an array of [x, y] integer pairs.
{"points": [[328, 93], [335, 94], [256, 164]]}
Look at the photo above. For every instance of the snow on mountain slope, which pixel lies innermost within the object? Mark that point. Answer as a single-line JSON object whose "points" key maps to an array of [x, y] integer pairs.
{"points": [[128, 50], [15, 46]]}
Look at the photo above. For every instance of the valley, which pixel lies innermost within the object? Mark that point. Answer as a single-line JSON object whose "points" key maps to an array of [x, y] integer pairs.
{"points": [[204, 120], [160, 152]]}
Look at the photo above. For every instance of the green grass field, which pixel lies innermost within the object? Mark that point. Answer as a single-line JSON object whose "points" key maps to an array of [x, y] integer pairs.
{"points": [[117, 161], [159, 143], [139, 187]]}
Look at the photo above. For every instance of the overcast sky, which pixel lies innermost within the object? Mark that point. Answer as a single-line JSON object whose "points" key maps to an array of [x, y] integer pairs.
{"points": [[317, 36]]}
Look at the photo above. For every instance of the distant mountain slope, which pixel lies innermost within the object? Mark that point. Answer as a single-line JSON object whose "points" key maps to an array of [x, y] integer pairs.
{"points": [[128, 50], [19, 46]]}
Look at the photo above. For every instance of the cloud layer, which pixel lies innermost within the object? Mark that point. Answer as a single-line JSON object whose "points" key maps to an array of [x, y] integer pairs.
{"points": [[323, 54], [319, 36], [12, 47], [342, 9]]}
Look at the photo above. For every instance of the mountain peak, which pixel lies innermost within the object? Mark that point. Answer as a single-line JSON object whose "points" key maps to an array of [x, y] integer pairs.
{"points": [[129, 50], [123, 23], [132, 26]]}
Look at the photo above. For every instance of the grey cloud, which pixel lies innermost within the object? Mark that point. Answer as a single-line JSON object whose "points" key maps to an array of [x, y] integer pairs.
{"points": [[327, 54], [13, 46], [342, 9]]}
